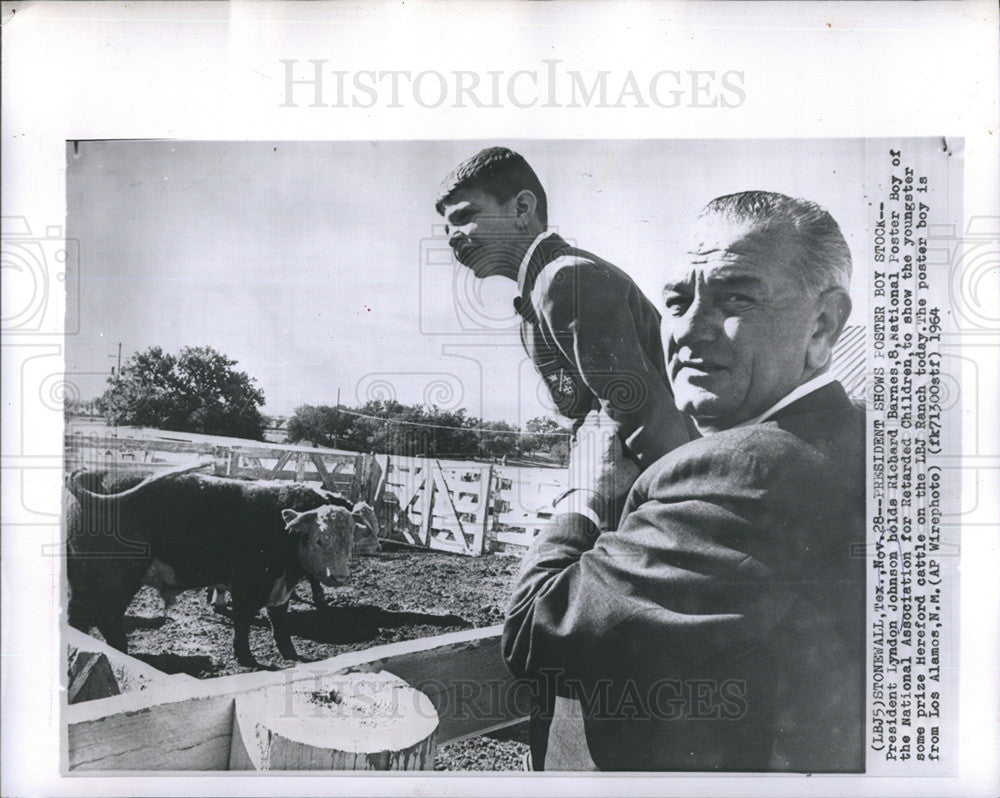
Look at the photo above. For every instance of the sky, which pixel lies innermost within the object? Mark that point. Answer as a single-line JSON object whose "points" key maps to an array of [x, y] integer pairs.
{"points": [[321, 266]]}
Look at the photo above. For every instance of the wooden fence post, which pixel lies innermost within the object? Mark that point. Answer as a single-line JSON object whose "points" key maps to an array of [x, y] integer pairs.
{"points": [[373, 476], [351, 721], [357, 481], [426, 501], [485, 486], [379, 503]]}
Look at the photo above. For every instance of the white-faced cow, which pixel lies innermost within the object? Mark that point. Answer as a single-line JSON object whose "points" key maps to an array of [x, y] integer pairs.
{"points": [[185, 530]]}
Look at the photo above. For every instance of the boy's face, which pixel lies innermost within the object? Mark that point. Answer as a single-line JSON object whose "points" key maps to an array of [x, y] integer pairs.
{"points": [[484, 234]]}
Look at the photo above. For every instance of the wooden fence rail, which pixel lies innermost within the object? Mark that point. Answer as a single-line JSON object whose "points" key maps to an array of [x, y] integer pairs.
{"points": [[353, 474]]}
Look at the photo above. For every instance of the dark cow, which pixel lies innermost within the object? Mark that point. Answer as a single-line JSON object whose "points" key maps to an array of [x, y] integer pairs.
{"points": [[184, 530]]}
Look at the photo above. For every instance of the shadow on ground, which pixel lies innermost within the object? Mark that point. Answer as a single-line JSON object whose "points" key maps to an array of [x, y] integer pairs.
{"points": [[360, 622], [357, 623], [192, 665], [133, 622]]}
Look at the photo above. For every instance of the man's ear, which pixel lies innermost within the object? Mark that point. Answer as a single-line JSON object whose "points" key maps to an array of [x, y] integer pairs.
{"points": [[833, 307], [525, 205]]}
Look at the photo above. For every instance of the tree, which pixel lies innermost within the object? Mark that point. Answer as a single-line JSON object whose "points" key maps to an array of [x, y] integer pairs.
{"points": [[390, 427], [497, 439], [199, 390], [545, 435]]}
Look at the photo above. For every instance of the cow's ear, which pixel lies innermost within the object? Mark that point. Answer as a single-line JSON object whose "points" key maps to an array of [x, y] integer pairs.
{"points": [[360, 521], [288, 516]]}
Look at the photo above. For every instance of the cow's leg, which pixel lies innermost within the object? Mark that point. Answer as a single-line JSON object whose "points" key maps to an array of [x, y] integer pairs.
{"points": [[109, 618], [279, 626], [319, 595], [112, 627], [105, 589], [169, 597], [244, 611]]}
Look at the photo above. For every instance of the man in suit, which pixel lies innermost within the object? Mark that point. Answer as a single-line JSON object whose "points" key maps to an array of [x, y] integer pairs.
{"points": [[722, 625], [589, 330]]}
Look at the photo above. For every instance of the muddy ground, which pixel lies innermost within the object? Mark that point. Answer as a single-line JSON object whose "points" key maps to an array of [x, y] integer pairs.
{"points": [[395, 595]]}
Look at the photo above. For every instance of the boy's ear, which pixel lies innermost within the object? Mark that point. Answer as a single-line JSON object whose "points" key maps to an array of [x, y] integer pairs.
{"points": [[525, 203]]}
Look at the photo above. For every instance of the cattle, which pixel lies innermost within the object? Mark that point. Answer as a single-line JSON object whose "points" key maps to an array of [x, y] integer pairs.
{"points": [[366, 531], [184, 530]]}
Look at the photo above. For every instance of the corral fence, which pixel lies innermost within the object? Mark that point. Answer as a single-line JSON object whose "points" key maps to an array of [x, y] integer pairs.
{"points": [[461, 507], [468, 508]]}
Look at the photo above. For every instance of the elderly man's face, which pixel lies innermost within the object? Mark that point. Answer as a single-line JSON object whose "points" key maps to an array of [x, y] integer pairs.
{"points": [[736, 325]]}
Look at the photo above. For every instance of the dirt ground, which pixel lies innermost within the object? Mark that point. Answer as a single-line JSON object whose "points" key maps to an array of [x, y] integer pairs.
{"points": [[395, 595]]}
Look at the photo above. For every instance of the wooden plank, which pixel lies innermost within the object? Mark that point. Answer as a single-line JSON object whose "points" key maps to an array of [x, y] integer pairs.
{"points": [[188, 726], [90, 677], [280, 464], [426, 505], [80, 441], [357, 485], [452, 523], [372, 478], [131, 673], [483, 520], [324, 475], [273, 452], [382, 480], [410, 489], [516, 537]]}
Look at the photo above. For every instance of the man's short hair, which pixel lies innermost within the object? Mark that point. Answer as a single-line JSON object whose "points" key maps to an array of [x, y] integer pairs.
{"points": [[496, 171], [823, 260]]}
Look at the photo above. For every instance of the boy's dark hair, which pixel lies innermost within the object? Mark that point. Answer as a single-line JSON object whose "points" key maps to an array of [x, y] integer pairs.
{"points": [[499, 172]]}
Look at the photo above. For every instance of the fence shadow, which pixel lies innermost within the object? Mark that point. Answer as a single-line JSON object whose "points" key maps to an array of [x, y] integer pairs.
{"points": [[196, 665], [361, 622], [133, 622]]}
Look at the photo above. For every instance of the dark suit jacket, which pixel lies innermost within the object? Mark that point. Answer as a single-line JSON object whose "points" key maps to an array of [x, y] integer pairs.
{"points": [[722, 626], [594, 338]]}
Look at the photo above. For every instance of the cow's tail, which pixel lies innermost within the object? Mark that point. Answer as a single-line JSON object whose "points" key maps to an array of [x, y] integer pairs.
{"points": [[75, 483]]}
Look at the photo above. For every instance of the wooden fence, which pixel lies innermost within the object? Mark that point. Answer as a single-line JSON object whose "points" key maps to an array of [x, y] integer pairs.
{"points": [[468, 508], [461, 507], [182, 724]]}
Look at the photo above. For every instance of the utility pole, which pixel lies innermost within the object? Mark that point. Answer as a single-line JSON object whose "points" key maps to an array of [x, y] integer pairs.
{"points": [[337, 419]]}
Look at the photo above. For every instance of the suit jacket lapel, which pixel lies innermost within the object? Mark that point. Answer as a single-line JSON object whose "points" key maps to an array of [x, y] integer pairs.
{"points": [[831, 398]]}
